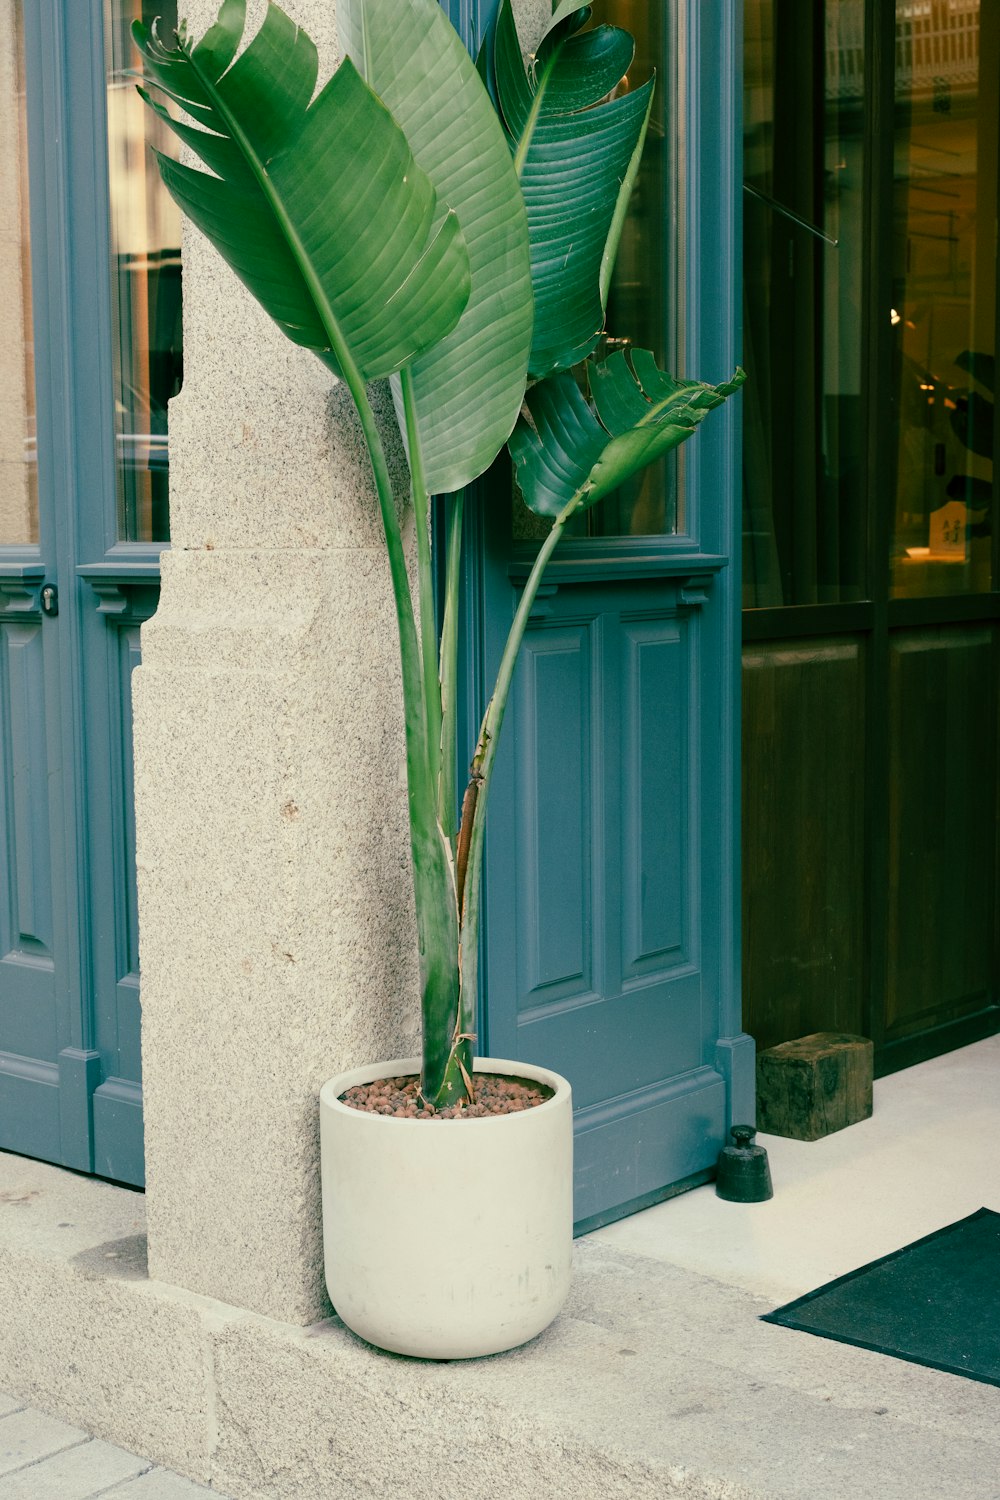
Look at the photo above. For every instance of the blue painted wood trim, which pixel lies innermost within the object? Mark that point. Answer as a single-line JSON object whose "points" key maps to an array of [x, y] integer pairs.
{"points": [[619, 1128], [593, 567], [21, 570], [79, 1075], [50, 111], [29, 1107], [736, 1061], [118, 1131], [79, 550], [713, 347]]}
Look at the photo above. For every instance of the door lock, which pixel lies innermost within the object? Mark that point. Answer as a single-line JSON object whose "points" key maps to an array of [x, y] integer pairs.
{"points": [[50, 599]]}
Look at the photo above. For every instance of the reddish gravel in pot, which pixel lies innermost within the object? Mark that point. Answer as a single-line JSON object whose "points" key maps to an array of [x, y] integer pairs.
{"points": [[494, 1095]]}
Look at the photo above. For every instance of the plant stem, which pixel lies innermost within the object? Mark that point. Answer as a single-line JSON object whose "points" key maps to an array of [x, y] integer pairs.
{"points": [[469, 859], [425, 579], [446, 1065], [449, 668]]}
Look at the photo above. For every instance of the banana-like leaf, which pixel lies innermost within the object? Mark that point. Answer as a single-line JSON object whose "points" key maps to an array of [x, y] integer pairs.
{"points": [[467, 389], [566, 450], [319, 207], [576, 152]]}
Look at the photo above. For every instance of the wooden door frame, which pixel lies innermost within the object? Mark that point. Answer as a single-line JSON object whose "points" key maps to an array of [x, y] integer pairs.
{"points": [[876, 616]]}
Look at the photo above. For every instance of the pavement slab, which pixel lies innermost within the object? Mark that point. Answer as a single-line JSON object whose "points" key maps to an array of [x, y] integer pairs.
{"points": [[78, 1473], [28, 1436], [42, 1458], [160, 1484]]}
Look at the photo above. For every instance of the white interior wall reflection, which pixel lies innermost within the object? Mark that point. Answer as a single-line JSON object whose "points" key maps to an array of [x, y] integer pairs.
{"points": [[18, 483]]}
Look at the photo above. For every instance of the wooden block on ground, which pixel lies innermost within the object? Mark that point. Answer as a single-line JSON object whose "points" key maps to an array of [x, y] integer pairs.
{"points": [[815, 1085]]}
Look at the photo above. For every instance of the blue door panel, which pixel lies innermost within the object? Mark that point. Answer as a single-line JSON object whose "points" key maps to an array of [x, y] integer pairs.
{"points": [[552, 693], [603, 829], [70, 1087], [655, 790], [640, 1147], [27, 822], [118, 1134], [29, 1107], [28, 811]]}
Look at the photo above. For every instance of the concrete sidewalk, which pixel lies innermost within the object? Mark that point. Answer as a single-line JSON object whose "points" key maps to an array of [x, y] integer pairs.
{"points": [[42, 1458], [926, 1158], [658, 1381]]}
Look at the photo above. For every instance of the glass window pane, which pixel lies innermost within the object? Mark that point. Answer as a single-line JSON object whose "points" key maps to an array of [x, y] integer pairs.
{"points": [[639, 311], [943, 310], [639, 304], [18, 469], [803, 520], [146, 282]]}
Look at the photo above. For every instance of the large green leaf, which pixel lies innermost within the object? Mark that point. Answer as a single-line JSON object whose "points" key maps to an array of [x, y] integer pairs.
{"points": [[566, 450], [468, 388], [322, 211], [576, 152], [319, 207]]}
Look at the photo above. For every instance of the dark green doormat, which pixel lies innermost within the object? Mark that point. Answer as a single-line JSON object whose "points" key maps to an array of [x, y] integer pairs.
{"points": [[935, 1302]]}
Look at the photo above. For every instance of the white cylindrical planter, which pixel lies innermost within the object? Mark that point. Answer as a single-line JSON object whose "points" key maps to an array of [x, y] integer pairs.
{"points": [[447, 1239]]}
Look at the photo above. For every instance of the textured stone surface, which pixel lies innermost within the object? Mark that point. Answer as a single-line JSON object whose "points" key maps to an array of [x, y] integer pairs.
{"points": [[277, 934], [343, 1421], [108, 1352], [83, 1332], [655, 1382]]}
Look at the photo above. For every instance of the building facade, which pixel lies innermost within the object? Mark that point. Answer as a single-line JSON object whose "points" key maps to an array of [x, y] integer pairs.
{"points": [[253, 849]]}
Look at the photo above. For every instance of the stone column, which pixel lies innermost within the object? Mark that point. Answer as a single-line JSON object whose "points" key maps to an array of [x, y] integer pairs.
{"points": [[18, 508], [277, 936]]}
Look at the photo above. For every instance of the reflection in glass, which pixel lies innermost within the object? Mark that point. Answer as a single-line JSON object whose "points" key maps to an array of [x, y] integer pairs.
{"points": [[803, 527], [18, 467], [943, 311], [146, 282], [638, 305]]}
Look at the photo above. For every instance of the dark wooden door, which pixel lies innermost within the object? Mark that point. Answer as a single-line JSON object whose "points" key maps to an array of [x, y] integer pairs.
{"points": [[872, 642]]}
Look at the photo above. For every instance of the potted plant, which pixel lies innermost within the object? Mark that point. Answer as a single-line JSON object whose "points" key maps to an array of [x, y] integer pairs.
{"points": [[453, 228]]}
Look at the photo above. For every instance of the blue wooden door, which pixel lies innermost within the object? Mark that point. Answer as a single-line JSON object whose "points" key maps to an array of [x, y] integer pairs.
{"points": [[78, 574], [611, 893]]}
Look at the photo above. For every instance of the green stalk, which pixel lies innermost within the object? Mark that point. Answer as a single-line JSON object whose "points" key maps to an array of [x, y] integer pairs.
{"points": [[459, 1066], [449, 668], [425, 579], [447, 1054], [435, 899], [472, 832], [434, 892]]}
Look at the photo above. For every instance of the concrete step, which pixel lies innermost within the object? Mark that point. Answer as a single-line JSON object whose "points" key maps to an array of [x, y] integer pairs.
{"points": [[655, 1383]]}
